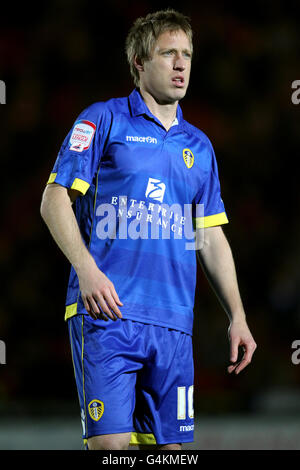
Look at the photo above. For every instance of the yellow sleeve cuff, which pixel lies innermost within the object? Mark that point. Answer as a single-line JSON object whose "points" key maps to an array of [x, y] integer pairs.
{"points": [[210, 220], [51, 178], [78, 184]]}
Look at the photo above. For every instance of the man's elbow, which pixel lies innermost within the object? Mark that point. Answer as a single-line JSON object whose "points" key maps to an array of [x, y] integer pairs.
{"points": [[49, 199], [213, 239], [44, 205], [55, 197]]}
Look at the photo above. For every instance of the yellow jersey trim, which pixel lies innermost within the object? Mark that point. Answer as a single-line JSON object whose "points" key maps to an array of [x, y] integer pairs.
{"points": [[70, 328], [70, 311], [83, 376], [80, 185], [138, 438], [210, 220], [51, 178]]}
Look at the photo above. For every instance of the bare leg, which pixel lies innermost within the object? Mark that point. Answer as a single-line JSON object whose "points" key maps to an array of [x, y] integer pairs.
{"points": [[161, 447], [109, 442]]}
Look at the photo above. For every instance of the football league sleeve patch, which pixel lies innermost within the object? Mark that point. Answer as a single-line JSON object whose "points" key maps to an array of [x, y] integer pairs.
{"points": [[79, 156]]}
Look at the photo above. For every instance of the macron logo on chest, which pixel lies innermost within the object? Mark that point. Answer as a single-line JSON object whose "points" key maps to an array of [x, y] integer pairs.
{"points": [[136, 138]]}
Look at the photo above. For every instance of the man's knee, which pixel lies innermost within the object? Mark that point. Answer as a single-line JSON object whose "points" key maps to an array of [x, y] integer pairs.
{"points": [[170, 447], [161, 447], [109, 442]]}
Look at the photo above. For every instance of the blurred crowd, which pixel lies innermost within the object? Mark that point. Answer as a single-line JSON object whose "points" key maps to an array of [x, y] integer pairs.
{"points": [[57, 58]]}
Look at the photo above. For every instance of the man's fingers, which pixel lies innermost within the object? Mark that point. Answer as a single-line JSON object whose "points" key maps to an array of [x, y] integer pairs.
{"points": [[115, 296], [231, 368], [86, 304], [104, 308], [89, 308], [249, 350], [247, 357], [94, 305], [234, 350], [112, 304], [242, 365], [103, 302]]}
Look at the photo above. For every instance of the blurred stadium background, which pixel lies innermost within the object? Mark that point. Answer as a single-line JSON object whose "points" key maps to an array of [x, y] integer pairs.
{"points": [[58, 57]]}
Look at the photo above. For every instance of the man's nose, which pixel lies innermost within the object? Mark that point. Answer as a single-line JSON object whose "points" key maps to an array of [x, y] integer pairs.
{"points": [[179, 63]]}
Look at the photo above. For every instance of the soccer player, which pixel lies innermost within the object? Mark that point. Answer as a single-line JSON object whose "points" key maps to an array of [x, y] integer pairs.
{"points": [[129, 177]]}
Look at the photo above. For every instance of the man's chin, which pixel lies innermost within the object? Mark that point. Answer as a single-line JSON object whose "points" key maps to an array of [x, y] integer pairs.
{"points": [[175, 95], [178, 93], [181, 94], [170, 96]]}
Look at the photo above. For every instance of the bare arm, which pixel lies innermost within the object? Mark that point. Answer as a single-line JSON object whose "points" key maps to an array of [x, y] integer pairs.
{"points": [[96, 289], [218, 265]]}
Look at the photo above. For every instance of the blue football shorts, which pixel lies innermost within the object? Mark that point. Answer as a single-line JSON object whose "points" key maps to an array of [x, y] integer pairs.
{"points": [[133, 377]]}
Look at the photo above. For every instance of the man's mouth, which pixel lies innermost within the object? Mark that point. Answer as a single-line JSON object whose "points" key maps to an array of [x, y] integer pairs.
{"points": [[178, 81]]}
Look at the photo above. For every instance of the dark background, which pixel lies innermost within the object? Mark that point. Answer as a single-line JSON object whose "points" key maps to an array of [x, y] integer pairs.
{"points": [[57, 58]]}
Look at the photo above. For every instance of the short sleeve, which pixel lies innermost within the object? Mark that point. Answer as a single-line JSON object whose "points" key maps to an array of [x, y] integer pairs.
{"points": [[79, 157], [208, 209]]}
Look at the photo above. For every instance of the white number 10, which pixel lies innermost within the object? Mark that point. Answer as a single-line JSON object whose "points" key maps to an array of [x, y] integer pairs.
{"points": [[181, 402]]}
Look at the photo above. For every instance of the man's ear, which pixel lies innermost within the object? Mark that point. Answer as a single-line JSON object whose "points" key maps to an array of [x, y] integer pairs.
{"points": [[138, 63]]}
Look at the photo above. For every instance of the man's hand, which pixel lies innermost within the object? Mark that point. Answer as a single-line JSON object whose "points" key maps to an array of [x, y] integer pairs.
{"points": [[240, 336], [98, 293], [217, 263]]}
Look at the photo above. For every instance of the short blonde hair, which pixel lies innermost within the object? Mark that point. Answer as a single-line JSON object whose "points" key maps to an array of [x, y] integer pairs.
{"points": [[145, 32]]}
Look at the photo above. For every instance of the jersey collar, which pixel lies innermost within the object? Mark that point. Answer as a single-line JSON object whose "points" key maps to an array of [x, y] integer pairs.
{"points": [[138, 107]]}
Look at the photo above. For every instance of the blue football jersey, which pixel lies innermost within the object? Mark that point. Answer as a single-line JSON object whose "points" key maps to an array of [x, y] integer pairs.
{"points": [[141, 187]]}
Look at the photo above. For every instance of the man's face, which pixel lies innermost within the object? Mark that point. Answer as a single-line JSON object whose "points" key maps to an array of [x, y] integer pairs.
{"points": [[166, 75]]}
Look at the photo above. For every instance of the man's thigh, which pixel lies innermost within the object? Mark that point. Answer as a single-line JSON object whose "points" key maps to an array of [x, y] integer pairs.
{"points": [[105, 373], [164, 390], [133, 377]]}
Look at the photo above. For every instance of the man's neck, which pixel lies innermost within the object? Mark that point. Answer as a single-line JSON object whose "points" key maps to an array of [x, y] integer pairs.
{"points": [[165, 113]]}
